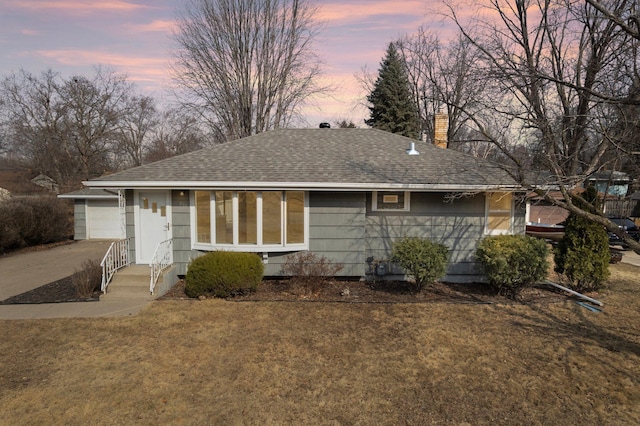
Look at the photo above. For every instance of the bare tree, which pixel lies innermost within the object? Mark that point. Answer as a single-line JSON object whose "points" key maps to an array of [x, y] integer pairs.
{"points": [[93, 112], [345, 124], [443, 79], [140, 118], [64, 128], [176, 133], [32, 119], [246, 66], [563, 71], [624, 13]]}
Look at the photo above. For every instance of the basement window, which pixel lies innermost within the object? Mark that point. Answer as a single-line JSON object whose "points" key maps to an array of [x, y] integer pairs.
{"points": [[390, 201]]}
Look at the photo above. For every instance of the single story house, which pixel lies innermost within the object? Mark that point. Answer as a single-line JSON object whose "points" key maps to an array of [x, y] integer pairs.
{"points": [[346, 194]]}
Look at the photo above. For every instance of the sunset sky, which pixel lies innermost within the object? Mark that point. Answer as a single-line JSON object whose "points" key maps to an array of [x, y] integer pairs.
{"points": [[133, 37]]}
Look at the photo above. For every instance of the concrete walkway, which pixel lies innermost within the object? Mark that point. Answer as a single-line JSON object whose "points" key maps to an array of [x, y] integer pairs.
{"points": [[28, 270], [631, 257], [103, 308]]}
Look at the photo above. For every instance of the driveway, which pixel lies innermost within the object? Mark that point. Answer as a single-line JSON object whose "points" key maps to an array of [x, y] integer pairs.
{"points": [[28, 270]]}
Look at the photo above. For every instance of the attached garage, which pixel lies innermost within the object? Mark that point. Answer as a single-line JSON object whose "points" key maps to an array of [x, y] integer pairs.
{"points": [[103, 219], [97, 214]]}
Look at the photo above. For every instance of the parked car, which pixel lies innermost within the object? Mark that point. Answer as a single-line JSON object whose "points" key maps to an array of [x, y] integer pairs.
{"points": [[629, 228]]}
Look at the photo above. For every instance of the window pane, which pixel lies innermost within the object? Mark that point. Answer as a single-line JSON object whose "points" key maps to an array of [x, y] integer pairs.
{"points": [[295, 217], [499, 221], [272, 218], [247, 218], [224, 217], [499, 211], [500, 201], [203, 217]]}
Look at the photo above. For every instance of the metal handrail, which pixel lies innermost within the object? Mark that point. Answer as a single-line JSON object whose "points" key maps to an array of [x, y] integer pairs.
{"points": [[162, 258], [117, 257]]}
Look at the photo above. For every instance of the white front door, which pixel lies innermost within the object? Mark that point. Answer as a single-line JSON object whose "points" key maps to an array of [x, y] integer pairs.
{"points": [[153, 225]]}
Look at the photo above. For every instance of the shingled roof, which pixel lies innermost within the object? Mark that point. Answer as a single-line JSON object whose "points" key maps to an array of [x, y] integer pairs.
{"points": [[317, 159]]}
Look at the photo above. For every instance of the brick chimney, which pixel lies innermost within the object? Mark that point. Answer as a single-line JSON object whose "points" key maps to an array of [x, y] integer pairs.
{"points": [[440, 127]]}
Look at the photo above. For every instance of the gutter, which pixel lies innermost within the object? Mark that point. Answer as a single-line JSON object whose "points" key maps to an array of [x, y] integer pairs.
{"points": [[575, 293]]}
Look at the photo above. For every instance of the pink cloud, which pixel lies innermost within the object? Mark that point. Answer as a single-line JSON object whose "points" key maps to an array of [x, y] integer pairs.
{"points": [[88, 57], [29, 32], [165, 26], [74, 7], [138, 69], [348, 11]]}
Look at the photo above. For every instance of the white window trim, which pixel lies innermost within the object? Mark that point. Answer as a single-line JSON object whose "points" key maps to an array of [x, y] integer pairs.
{"points": [[406, 208], [488, 231], [259, 247]]}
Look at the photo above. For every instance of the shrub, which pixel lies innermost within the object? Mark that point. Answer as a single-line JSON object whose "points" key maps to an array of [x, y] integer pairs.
{"points": [[309, 269], [31, 221], [223, 274], [582, 255], [512, 262], [88, 279], [425, 260]]}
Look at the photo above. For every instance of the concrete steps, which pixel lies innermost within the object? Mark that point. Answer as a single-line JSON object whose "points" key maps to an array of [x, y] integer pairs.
{"points": [[128, 283]]}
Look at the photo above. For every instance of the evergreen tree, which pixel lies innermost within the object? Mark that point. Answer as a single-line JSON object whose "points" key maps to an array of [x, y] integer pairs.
{"points": [[583, 253], [392, 108]]}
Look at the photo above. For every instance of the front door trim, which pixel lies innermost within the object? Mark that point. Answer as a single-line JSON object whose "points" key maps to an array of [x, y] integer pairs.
{"points": [[138, 220]]}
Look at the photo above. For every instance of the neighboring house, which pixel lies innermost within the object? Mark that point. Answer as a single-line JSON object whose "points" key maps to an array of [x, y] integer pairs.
{"points": [[346, 194], [610, 183], [46, 182], [542, 211]]}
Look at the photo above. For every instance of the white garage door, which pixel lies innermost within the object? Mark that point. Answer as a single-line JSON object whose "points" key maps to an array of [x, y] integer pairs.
{"points": [[103, 219]]}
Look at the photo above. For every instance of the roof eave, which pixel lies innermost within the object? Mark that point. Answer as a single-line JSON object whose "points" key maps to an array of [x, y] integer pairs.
{"points": [[315, 186]]}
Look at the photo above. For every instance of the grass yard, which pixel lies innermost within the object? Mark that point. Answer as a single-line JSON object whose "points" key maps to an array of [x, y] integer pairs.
{"points": [[220, 362]]}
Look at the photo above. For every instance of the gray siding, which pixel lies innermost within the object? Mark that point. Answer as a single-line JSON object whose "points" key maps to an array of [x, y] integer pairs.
{"points": [[181, 230], [336, 231], [458, 224], [79, 219]]}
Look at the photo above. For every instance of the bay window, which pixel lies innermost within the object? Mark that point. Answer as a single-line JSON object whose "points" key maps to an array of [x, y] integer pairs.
{"points": [[250, 220]]}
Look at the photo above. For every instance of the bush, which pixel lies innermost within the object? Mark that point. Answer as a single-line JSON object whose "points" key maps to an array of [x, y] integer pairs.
{"points": [[87, 280], [223, 274], [31, 221], [309, 269], [513, 262], [582, 255], [425, 260]]}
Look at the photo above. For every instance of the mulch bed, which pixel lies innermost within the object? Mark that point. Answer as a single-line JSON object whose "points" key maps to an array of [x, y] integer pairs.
{"points": [[59, 291], [382, 292]]}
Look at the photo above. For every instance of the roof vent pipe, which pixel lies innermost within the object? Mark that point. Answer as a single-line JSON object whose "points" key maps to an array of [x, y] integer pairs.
{"points": [[412, 149]]}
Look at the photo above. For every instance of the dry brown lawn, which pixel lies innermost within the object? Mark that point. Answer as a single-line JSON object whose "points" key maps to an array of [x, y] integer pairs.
{"points": [[221, 362]]}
